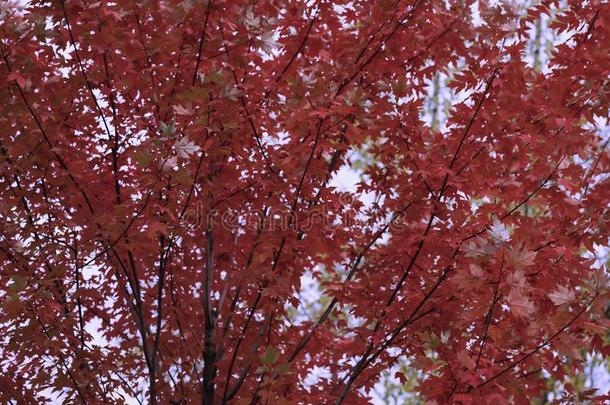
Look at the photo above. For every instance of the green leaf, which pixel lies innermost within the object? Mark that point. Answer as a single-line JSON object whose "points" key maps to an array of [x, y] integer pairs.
{"points": [[270, 356], [168, 129]]}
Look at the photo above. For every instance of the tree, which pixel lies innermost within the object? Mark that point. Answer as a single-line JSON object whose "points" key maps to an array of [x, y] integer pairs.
{"points": [[169, 199]]}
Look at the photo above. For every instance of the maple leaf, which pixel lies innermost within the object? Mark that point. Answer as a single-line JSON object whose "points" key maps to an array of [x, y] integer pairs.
{"points": [[562, 296], [400, 376], [599, 279], [187, 5], [463, 280], [476, 271], [499, 232], [185, 148], [168, 129], [465, 360], [479, 247], [521, 257], [169, 163], [232, 93], [520, 304], [517, 279], [309, 79], [268, 44], [181, 110], [250, 20]]}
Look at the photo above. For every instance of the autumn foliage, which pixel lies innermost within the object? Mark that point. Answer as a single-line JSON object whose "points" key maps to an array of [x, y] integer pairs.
{"points": [[169, 200]]}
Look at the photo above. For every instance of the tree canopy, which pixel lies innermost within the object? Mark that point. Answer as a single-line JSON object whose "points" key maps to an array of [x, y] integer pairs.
{"points": [[174, 229]]}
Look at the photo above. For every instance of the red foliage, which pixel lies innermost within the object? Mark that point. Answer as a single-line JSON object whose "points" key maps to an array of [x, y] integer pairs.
{"points": [[168, 177]]}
